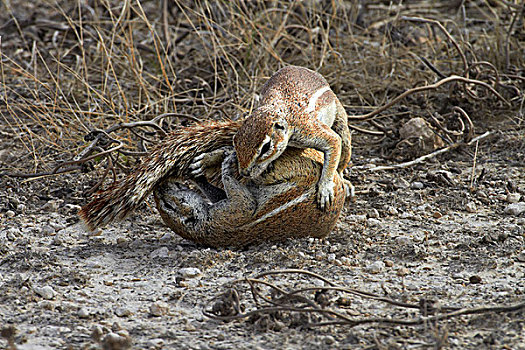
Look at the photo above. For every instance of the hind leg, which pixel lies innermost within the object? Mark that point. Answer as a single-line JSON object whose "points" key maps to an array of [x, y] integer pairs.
{"points": [[340, 126]]}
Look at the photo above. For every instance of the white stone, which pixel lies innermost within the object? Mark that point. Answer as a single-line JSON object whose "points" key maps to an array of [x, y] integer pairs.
{"points": [[45, 292], [515, 208], [376, 267], [189, 272], [162, 252]]}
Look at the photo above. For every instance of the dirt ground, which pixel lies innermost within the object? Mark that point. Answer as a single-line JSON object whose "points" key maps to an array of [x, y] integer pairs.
{"points": [[440, 241], [449, 231]]}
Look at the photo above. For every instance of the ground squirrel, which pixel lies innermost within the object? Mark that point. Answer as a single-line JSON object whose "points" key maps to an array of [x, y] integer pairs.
{"points": [[298, 109]]}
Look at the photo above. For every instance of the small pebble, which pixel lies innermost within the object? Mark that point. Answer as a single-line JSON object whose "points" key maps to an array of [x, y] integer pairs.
{"points": [[511, 198], [373, 213], [392, 210], [329, 340], [167, 237], [158, 308], [48, 230], [501, 197], [475, 279], [331, 257], [481, 194], [47, 304], [162, 252], [376, 267], [417, 185], [346, 261], [116, 341], [52, 205], [515, 208], [471, 207], [21, 208], [400, 183], [357, 218], [83, 313], [72, 207], [122, 240], [437, 215], [403, 240], [373, 222], [57, 226], [58, 241], [403, 271], [10, 213], [521, 257], [388, 263], [123, 312], [406, 215], [45, 292], [156, 343], [95, 233], [12, 233], [319, 256], [189, 272], [335, 247]]}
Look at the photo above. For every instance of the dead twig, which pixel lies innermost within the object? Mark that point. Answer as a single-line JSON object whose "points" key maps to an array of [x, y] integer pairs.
{"points": [[227, 306], [453, 78], [426, 156]]}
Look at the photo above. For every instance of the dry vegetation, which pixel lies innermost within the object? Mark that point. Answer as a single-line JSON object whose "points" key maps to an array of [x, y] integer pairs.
{"points": [[69, 68]]}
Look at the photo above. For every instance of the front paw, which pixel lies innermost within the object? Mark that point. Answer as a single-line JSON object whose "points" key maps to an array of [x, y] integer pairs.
{"points": [[205, 161], [325, 195]]}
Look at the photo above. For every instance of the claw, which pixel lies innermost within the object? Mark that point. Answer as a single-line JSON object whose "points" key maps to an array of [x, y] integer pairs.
{"points": [[199, 157], [325, 196]]}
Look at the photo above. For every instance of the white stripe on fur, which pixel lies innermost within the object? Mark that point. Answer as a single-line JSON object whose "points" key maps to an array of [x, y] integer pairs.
{"points": [[315, 97]]}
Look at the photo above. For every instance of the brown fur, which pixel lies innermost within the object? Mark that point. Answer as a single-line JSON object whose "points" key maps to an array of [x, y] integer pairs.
{"points": [[240, 220], [310, 116]]}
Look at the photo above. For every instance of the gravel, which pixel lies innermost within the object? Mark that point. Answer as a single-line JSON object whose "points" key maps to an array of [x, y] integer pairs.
{"points": [[137, 284]]}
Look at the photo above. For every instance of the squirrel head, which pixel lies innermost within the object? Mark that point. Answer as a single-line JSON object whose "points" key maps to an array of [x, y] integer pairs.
{"points": [[261, 139]]}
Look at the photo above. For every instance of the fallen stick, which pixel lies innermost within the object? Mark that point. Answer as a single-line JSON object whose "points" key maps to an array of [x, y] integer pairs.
{"points": [[426, 156]]}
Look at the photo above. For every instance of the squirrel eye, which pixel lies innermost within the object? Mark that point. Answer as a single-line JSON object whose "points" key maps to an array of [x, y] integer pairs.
{"points": [[265, 148], [278, 126]]}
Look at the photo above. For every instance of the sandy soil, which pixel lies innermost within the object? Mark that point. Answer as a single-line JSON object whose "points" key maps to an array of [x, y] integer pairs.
{"points": [[413, 234]]}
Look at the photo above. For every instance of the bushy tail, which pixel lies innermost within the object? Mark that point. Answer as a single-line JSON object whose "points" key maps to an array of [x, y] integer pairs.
{"points": [[170, 158]]}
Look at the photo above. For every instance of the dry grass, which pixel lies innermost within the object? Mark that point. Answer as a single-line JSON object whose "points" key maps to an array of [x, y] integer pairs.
{"points": [[68, 68]]}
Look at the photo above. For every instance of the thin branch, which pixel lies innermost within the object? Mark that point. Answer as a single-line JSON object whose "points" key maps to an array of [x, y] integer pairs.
{"points": [[427, 156], [434, 86]]}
